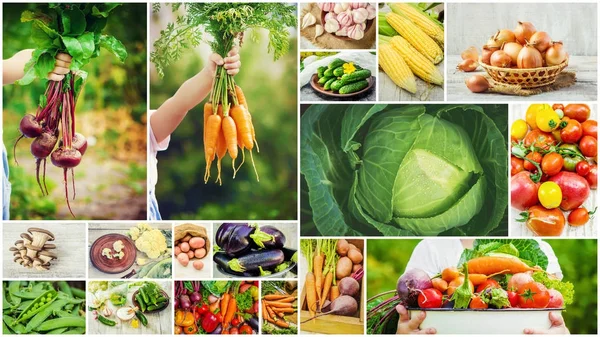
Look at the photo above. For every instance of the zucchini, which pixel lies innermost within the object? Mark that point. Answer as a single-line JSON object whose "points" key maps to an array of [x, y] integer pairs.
{"points": [[362, 74], [324, 79], [320, 71], [336, 85], [339, 71], [327, 85], [336, 63], [353, 87], [328, 73]]}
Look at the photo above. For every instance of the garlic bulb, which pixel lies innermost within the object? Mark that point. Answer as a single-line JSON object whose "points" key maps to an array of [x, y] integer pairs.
{"points": [[332, 26], [372, 12], [318, 31], [362, 25], [326, 6], [342, 31], [345, 19], [355, 5], [360, 15], [341, 7], [107, 312], [356, 32], [330, 15], [308, 20]]}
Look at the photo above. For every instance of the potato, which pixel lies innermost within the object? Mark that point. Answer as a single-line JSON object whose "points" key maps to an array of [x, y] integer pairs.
{"points": [[190, 254], [343, 268], [355, 256], [342, 247], [351, 246], [186, 238], [198, 265], [200, 253], [197, 242], [185, 247], [177, 250], [356, 268], [184, 259]]}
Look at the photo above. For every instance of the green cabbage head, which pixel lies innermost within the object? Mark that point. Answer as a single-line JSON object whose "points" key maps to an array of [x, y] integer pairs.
{"points": [[404, 170]]}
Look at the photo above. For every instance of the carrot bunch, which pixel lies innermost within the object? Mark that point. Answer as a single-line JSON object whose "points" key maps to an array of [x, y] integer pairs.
{"points": [[227, 126], [320, 284], [275, 308]]}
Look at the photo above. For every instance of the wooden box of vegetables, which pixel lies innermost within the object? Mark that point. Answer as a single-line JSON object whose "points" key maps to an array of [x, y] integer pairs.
{"points": [[343, 259]]}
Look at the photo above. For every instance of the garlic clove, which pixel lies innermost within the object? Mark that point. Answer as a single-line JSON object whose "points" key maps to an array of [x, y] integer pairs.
{"points": [[372, 12], [360, 15], [342, 31], [332, 26], [318, 31], [308, 20]]}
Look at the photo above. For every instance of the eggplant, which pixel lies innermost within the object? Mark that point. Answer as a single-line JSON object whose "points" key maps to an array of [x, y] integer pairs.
{"points": [[268, 237], [222, 260], [266, 259], [218, 330], [253, 321], [235, 239], [223, 233]]}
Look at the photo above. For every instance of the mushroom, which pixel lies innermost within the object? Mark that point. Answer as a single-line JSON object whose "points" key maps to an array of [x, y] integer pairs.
{"points": [[49, 246], [47, 256], [33, 251], [40, 236], [27, 239]]}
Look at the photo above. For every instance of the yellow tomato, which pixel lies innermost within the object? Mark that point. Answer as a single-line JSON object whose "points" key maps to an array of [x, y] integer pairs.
{"points": [[547, 119], [518, 130], [550, 195], [531, 114]]}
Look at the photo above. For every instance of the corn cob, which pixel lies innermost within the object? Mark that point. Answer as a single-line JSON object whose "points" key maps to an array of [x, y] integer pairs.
{"points": [[384, 26], [416, 37], [394, 66], [419, 64], [420, 19]]}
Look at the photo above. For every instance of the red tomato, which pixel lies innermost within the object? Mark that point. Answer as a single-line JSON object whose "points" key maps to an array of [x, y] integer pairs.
{"points": [[516, 165], [245, 330], [235, 321], [523, 191], [533, 156], [513, 298], [578, 217], [489, 283], [545, 222], [478, 303], [575, 189], [558, 106], [590, 128], [234, 331], [580, 112], [533, 295], [582, 168], [572, 132], [430, 298], [592, 177], [539, 138], [552, 163], [588, 146], [219, 317]]}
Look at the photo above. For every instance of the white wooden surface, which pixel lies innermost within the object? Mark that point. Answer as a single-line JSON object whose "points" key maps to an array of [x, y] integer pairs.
{"points": [[585, 89], [519, 229], [158, 323], [189, 272], [97, 230], [70, 249]]}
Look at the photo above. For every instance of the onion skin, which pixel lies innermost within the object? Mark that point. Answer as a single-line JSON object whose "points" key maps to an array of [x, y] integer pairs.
{"points": [[477, 83], [529, 57], [512, 49], [555, 54], [524, 31], [541, 41], [467, 65], [470, 54], [493, 43], [505, 36], [486, 54], [500, 59]]}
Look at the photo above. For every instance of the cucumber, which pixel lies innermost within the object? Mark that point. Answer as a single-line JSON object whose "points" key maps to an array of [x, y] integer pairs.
{"points": [[339, 71], [336, 85], [320, 71], [324, 79], [328, 73], [353, 87], [327, 85], [336, 63], [356, 76]]}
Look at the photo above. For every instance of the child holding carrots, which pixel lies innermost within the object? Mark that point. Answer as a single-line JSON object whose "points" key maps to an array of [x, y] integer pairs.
{"points": [[433, 256], [13, 69], [165, 120]]}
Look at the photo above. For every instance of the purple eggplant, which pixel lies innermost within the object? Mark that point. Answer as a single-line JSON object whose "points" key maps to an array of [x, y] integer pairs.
{"points": [[266, 259], [235, 239], [268, 237], [224, 232], [223, 259], [253, 321]]}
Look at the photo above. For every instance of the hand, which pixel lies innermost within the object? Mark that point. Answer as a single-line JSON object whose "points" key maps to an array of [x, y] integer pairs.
{"points": [[61, 67], [406, 325], [231, 63], [557, 326]]}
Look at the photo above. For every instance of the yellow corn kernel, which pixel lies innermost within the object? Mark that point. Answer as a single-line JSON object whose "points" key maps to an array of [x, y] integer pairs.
{"points": [[394, 66], [420, 19], [419, 64], [416, 37]]}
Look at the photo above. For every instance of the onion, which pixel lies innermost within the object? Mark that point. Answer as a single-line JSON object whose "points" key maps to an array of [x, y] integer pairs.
{"points": [[493, 43], [500, 59], [467, 65], [512, 49], [504, 36], [470, 54], [529, 57], [486, 53], [524, 31], [541, 41], [556, 54], [477, 83]]}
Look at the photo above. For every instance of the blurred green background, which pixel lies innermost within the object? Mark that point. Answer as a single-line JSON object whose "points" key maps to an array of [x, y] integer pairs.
{"points": [[270, 88], [111, 113], [577, 259]]}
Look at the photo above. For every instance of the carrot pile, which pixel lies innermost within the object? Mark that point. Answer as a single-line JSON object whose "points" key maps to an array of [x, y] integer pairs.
{"points": [[276, 308]]}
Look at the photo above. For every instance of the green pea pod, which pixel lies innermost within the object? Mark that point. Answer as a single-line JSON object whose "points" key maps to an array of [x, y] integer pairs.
{"points": [[106, 321], [58, 331], [75, 331], [27, 295], [75, 322], [65, 288], [5, 329], [141, 317], [17, 328], [40, 303], [79, 293], [41, 316]]}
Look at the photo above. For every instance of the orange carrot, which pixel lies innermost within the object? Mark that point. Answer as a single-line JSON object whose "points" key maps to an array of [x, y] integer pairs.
{"points": [[221, 148], [498, 264], [285, 310], [242, 123], [275, 297], [450, 274], [208, 110], [213, 307], [335, 293], [318, 260], [477, 279], [280, 323], [440, 284], [230, 133], [279, 304], [242, 101], [288, 299], [326, 287], [231, 309], [311, 293], [271, 312], [213, 125], [225, 303], [264, 310]]}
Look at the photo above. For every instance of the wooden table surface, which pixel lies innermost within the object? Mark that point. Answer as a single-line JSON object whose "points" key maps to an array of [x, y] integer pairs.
{"points": [[519, 229], [585, 89], [70, 249], [158, 323], [97, 230]]}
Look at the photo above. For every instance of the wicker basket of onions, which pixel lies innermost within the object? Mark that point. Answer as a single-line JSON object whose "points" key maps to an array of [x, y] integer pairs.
{"points": [[524, 57]]}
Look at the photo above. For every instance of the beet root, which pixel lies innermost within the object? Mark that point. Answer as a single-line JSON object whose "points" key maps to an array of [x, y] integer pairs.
{"points": [[65, 157], [80, 143], [30, 127], [43, 145]]}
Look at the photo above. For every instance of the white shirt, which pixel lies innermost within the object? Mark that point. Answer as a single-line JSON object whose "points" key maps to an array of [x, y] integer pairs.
{"points": [[152, 161], [433, 255]]}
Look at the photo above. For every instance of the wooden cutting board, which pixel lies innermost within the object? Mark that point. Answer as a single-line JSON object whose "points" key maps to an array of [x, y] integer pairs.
{"points": [[114, 265]]}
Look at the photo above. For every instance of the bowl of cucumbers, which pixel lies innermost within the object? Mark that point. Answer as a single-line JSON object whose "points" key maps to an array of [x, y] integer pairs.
{"points": [[342, 79]]}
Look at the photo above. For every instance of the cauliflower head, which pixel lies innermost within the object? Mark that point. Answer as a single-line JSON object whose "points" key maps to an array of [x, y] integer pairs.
{"points": [[151, 242]]}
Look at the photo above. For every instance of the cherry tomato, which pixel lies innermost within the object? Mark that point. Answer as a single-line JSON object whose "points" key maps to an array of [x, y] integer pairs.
{"points": [[477, 303], [518, 129], [531, 114], [580, 112], [552, 163], [234, 331], [544, 222], [578, 217], [245, 330], [489, 283], [516, 165], [533, 295], [523, 191], [533, 156], [513, 298], [539, 139], [590, 128], [430, 298], [235, 321], [582, 168], [592, 177], [572, 132], [588, 146], [558, 106], [547, 119], [550, 194]]}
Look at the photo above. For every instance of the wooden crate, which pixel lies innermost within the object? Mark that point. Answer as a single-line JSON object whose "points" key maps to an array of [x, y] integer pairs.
{"points": [[335, 324]]}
